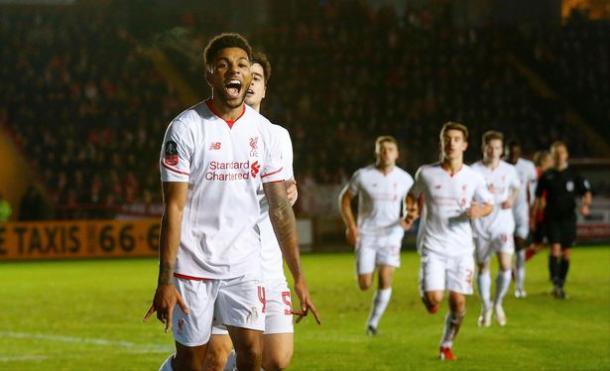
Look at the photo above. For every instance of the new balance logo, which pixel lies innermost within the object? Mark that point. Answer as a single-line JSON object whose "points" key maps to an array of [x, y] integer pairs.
{"points": [[215, 146]]}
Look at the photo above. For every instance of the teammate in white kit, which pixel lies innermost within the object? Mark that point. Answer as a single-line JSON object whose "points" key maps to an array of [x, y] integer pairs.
{"points": [[528, 177], [215, 157], [278, 336], [453, 195], [381, 189], [494, 233]]}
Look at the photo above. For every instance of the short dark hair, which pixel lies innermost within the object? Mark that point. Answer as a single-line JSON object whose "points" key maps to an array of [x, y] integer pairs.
{"points": [[261, 58], [224, 41], [513, 143], [452, 125], [492, 135]]}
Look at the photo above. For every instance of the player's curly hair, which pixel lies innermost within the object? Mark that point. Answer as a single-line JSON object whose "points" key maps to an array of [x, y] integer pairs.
{"points": [[261, 58], [223, 41]]}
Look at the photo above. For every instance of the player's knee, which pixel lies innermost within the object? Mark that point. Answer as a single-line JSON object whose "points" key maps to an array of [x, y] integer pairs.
{"points": [[215, 360], [188, 362], [277, 362], [432, 302], [250, 355], [364, 284]]}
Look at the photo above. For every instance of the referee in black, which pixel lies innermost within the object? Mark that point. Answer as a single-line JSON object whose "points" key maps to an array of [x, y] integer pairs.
{"points": [[557, 192]]}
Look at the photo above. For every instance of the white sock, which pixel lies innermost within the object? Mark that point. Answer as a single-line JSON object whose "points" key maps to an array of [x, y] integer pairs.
{"points": [[484, 286], [453, 321], [502, 284], [167, 365], [520, 270], [380, 303], [231, 364]]}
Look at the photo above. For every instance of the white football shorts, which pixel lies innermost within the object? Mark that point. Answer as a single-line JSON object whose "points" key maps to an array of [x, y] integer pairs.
{"points": [[440, 273], [237, 302], [374, 251], [500, 243]]}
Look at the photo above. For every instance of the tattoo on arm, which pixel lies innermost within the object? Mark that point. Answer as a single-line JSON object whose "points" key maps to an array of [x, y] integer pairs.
{"points": [[284, 224], [166, 274]]}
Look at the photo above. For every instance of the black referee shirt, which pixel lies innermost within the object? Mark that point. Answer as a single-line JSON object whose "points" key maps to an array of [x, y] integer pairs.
{"points": [[561, 189]]}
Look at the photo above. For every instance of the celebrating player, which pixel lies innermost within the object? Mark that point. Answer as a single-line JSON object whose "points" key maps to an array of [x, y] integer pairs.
{"points": [[521, 210], [377, 236], [454, 194], [494, 233], [278, 336], [562, 186], [215, 156]]}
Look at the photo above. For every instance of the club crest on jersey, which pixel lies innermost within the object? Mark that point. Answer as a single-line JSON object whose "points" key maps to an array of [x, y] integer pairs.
{"points": [[171, 153], [254, 147], [570, 186], [254, 169]]}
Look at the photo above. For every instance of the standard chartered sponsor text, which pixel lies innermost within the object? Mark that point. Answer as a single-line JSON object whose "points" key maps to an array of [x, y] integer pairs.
{"points": [[213, 174]]}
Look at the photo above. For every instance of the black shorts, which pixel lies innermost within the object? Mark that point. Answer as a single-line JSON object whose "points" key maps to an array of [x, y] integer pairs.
{"points": [[539, 236], [561, 231]]}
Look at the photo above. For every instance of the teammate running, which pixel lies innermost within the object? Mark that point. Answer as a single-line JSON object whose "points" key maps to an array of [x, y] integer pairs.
{"points": [[494, 233], [215, 156], [454, 194], [521, 210], [377, 236]]}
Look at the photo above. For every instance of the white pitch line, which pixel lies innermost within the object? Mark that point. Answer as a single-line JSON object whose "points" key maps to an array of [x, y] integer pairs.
{"points": [[8, 358], [131, 347]]}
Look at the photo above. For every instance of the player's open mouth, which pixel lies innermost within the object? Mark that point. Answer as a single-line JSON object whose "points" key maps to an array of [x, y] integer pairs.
{"points": [[249, 92], [233, 88]]}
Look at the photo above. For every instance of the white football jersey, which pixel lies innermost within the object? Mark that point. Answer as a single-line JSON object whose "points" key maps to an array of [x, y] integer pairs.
{"points": [[501, 182], [224, 163], [380, 197], [272, 262], [528, 177], [445, 227]]}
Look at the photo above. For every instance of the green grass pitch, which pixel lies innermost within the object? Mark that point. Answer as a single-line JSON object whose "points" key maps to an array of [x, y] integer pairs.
{"points": [[87, 315]]}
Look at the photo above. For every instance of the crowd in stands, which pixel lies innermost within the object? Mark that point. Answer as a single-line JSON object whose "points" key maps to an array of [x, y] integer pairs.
{"points": [[89, 109], [85, 106]]}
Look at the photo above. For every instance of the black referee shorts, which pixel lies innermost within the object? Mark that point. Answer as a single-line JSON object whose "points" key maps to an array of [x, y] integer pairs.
{"points": [[561, 231]]}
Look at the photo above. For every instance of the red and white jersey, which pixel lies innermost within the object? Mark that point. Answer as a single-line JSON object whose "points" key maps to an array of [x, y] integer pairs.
{"points": [[224, 163], [380, 197], [501, 182], [271, 254], [445, 228], [528, 177]]}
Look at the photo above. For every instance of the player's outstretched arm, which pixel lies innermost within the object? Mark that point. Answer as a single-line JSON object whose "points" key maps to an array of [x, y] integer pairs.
{"points": [[284, 225], [345, 206], [166, 295]]}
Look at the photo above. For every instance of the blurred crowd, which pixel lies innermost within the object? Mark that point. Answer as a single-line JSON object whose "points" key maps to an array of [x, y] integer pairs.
{"points": [[85, 106], [89, 109]]}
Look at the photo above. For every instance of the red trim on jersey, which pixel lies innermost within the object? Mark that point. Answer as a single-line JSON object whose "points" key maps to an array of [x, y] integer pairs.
{"points": [[190, 278], [229, 122], [272, 173], [172, 169], [448, 171]]}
